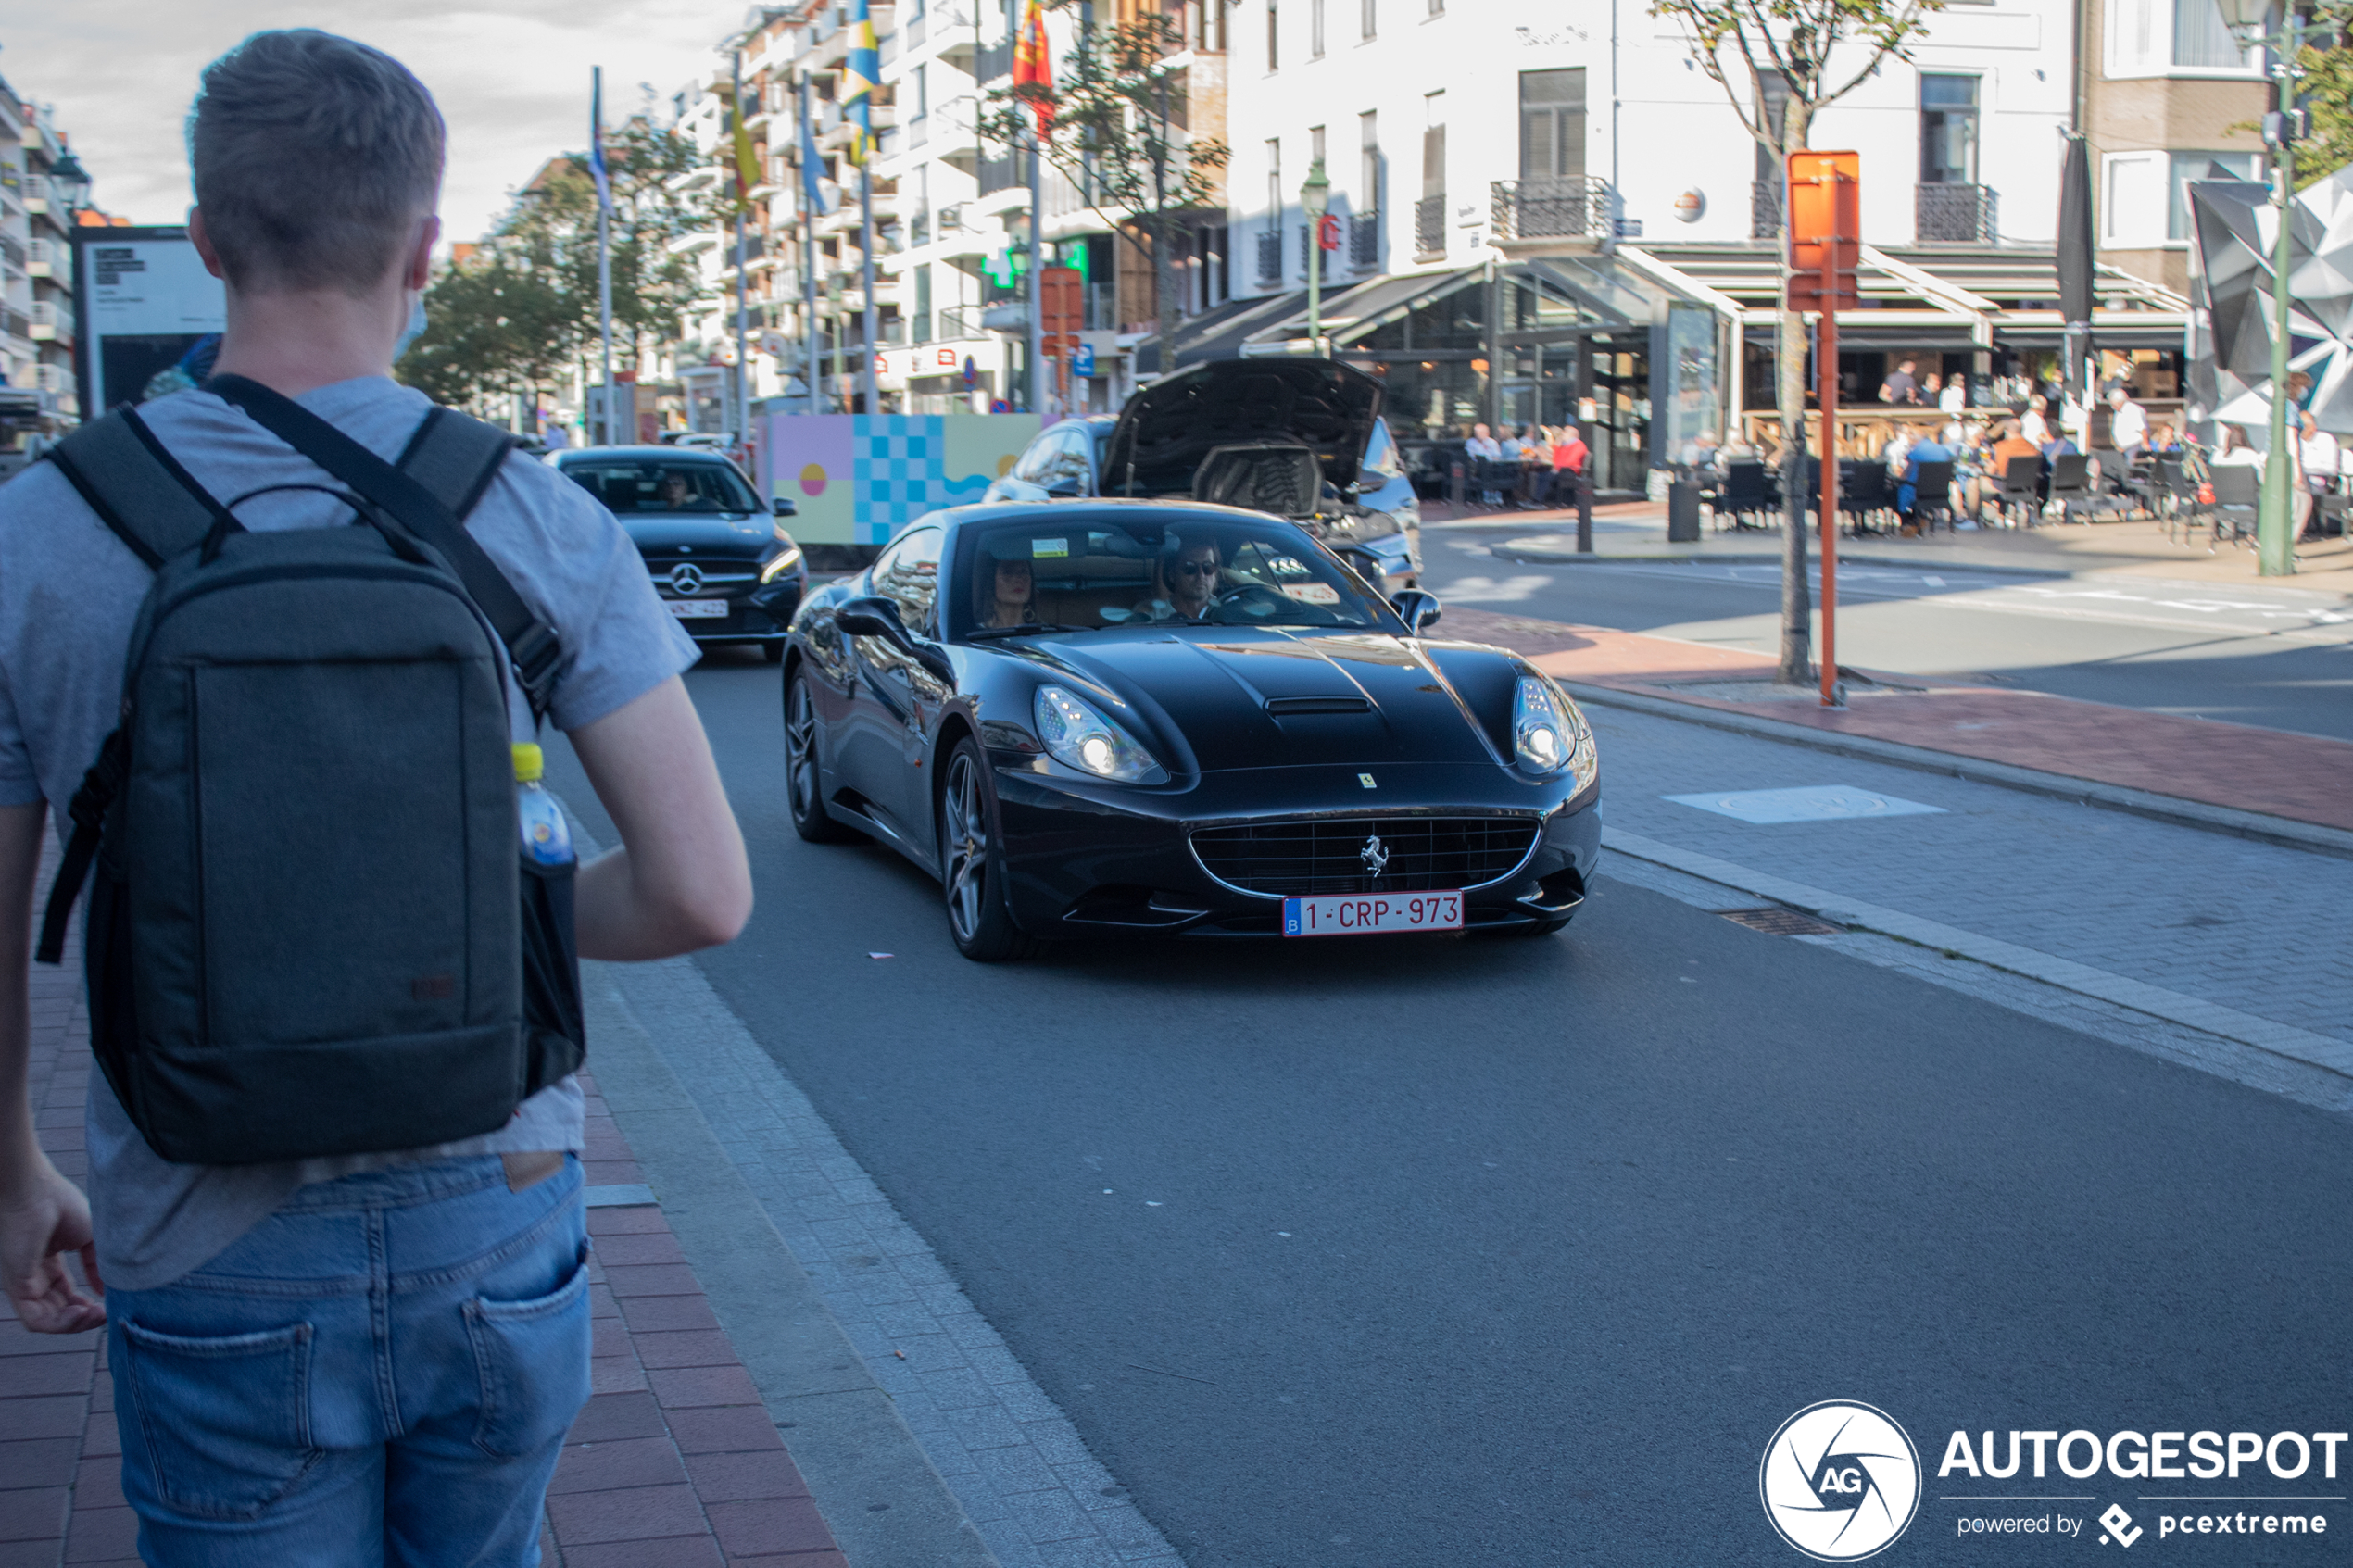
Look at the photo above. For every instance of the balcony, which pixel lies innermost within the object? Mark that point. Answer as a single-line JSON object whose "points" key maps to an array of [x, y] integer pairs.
{"points": [[1430, 228], [1364, 241], [960, 321], [993, 60], [1956, 215], [999, 174], [13, 253], [13, 323], [1550, 209], [1270, 256], [52, 322]]}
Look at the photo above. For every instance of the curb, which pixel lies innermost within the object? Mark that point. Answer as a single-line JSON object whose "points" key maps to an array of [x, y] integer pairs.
{"points": [[2283, 831], [2279, 1039], [1515, 551]]}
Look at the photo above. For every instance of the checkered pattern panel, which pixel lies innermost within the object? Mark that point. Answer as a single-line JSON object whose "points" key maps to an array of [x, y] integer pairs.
{"points": [[897, 471]]}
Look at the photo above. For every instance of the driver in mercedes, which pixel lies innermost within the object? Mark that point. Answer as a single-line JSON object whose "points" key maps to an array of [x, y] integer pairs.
{"points": [[1189, 579]]}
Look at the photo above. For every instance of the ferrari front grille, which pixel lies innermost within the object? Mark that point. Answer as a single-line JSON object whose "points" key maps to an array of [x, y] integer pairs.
{"points": [[1364, 854]]}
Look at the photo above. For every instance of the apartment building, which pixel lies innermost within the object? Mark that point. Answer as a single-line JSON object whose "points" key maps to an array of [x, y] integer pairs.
{"points": [[42, 187], [2168, 95]]}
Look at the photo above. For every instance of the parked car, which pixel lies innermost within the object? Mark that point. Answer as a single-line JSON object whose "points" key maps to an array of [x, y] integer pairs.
{"points": [[1125, 718], [1303, 439], [721, 561]]}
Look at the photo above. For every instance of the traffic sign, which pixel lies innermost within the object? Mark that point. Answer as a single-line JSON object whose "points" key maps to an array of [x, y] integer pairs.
{"points": [[1825, 228], [1082, 360]]}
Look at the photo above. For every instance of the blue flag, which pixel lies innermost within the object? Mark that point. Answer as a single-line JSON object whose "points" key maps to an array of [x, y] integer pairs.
{"points": [[812, 169], [597, 139]]}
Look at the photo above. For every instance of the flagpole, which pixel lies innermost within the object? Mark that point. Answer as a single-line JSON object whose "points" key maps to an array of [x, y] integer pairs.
{"points": [[1037, 275], [743, 263], [809, 366], [866, 279], [604, 259]]}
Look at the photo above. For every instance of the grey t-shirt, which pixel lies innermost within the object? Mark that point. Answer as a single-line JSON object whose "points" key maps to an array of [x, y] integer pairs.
{"points": [[69, 593]]}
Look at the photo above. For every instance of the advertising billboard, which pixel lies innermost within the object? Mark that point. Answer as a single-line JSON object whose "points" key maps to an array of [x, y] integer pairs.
{"points": [[150, 315], [858, 479]]}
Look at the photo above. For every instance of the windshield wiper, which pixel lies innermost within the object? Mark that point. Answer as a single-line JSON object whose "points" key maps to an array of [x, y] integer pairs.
{"points": [[1029, 630]]}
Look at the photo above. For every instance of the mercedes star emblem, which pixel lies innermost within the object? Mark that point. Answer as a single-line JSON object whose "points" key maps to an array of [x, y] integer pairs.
{"points": [[686, 578], [1374, 855]]}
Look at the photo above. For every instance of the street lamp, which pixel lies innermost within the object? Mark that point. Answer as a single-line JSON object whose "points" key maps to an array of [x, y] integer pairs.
{"points": [[72, 181], [1315, 200], [2247, 19]]}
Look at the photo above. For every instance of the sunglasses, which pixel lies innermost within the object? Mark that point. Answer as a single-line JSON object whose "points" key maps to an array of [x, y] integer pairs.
{"points": [[1198, 568]]}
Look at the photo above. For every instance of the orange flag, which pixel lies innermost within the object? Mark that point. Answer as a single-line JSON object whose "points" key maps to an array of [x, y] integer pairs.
{"points": [[1033, 64]]}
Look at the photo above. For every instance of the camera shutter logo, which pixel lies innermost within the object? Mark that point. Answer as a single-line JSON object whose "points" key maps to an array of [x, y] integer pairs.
{"points": [[1840, 1481]]}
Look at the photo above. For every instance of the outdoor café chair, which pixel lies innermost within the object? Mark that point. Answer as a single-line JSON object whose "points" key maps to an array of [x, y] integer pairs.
{"points": [[2021, 490], [1744, 495], [1933, 497], [2237, 488]]}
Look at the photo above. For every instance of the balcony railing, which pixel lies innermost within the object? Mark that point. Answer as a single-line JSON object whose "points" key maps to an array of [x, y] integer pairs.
{"points": [[14, 324], [51, 319], [999, 173], [1270, 256], [1532, 209], [1765, 209], [1429, 227], [960, 321], [1956, 215], [1364, 241], [993, 60]]}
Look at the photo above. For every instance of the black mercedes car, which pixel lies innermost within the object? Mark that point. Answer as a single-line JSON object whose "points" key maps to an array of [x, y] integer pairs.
{"points": [[721, 560], [1120, 717]]}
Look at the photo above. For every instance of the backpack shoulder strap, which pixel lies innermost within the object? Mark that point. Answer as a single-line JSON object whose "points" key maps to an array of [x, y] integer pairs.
{"points": [[138, 489], [456, 458], [531, 643]]}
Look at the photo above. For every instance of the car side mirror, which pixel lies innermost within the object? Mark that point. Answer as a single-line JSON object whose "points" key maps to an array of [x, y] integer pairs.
{"points": [[871, 615], [784, 507], [1068, 487], [1416, 608]]}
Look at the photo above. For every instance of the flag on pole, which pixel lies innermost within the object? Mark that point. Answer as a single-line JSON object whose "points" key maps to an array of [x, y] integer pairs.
{"points": [[1034, 67], [812, 170], [747, 161], [597, 139], [858, 74]]}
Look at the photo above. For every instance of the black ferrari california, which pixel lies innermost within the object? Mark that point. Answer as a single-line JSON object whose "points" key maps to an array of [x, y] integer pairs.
{"points": [[1118, 717]]}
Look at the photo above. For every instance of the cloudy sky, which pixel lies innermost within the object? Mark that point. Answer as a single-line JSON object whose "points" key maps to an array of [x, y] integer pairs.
{"points": [[511, 77]]}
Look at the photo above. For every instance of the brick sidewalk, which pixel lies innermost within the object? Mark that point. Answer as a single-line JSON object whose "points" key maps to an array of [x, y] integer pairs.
{"points": [[674, 1461], [2274, 772]]}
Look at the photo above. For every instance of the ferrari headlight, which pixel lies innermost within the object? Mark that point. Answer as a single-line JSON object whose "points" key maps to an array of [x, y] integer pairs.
{"points": [[784, 561], [1076, 735], [1546, 728]]}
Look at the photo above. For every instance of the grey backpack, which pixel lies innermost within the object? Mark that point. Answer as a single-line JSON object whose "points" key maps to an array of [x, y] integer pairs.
{"points": [[311, 931]]}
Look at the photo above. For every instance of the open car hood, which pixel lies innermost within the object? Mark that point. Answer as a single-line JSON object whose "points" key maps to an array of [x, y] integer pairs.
{"points": [[1169, 427]]}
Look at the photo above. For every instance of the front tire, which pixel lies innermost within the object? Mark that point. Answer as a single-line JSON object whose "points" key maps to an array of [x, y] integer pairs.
{"points": [[972, 860], [804, 781]]}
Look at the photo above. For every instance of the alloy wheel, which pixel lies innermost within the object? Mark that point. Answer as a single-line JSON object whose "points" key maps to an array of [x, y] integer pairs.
{"points": [[967, 839]]}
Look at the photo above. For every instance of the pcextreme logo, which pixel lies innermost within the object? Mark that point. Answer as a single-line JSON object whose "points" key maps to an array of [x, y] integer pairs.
{"points": [[1840, 1481]]}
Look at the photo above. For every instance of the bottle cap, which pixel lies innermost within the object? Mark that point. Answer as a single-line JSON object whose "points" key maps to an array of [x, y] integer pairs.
{"points": [[529, 764]]}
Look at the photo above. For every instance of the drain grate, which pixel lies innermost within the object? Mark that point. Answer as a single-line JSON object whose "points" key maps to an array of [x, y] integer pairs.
{"points": [[1774, 921]]}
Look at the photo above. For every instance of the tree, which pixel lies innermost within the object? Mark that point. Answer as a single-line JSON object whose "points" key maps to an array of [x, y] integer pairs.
{"points": [[1119, 132], [526, 304], [1774, 59]]}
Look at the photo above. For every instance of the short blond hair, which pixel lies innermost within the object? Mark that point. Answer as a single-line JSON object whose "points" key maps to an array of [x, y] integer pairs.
{"points": [[314, 157]]}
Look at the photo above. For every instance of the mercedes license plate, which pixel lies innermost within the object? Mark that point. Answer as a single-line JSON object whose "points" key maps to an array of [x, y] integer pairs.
{"points": [[1360, 914], [697, 610]]}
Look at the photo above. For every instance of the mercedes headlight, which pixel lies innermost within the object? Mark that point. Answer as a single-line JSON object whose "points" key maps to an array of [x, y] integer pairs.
{"points": [[1079, 736], [1548, 734], [783, 561]]}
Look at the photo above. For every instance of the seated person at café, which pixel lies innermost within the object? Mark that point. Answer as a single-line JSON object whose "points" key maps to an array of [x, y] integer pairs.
{"points": [[1189, 580], [1925, 449]]}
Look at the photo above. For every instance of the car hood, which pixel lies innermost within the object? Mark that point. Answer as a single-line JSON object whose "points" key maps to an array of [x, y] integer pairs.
{"points": [[1265, 698], [724, 535], [1168, 427]]}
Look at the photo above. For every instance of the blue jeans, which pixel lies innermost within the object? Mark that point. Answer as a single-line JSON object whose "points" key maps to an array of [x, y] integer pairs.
{"points": [[381, 1372]]}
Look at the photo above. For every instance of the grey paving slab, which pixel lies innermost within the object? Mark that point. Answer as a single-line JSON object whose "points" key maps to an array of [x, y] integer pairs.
{"points": [[2255, 928]]}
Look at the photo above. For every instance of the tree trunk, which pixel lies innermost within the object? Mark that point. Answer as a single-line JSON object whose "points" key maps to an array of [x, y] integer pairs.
{"points": [[1796, 667], [1164, 286]]}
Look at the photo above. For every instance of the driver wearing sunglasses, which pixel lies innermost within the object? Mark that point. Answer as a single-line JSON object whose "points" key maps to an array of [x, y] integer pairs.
{"points": [[1190, 577]]}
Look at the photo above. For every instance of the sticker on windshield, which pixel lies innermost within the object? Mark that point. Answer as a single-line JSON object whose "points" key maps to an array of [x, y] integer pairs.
{"points": [[1287, 565], [1312, 593], [1049, 549]]}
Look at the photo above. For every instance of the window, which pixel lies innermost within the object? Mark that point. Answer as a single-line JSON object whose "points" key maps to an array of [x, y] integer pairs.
{"points": [[2170, 37], [1314, 144], [1948, 129], [1368, 173], [1315, 29], [1437, 7], [923, 90], [1273, 36], [1364, 20], [1274, 178], [1551, 124], [908, 574], [664, 486], [2186, 167], [1434, 146], [923, 303]]}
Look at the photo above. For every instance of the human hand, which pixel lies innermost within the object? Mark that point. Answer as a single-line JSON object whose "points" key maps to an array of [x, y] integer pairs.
{"points": [[43, 1217]]}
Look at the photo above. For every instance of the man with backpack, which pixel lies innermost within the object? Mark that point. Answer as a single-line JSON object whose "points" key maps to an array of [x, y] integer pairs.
{"points": [[277, 648]]}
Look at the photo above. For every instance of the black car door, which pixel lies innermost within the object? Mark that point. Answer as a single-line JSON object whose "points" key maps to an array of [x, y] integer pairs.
{"points": [[892, 695]]}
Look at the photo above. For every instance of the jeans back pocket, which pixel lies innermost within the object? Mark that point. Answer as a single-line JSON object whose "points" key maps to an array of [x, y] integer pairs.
{"points": [[226, 1419], [532, 1359]]}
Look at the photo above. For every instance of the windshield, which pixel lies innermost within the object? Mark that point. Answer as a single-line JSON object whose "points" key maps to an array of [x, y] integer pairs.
{"points": [[1084, 572], [653, 485]]}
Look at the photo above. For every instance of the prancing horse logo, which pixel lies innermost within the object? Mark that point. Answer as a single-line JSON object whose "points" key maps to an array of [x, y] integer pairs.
{"points": [[1374, 855]]}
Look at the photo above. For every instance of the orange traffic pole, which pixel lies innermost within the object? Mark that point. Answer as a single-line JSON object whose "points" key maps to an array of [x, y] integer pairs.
{"points": [[1828, 372]]}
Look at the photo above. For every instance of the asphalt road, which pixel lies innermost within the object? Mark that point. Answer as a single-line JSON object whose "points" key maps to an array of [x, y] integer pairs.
{"points": [[2280, 658], [1497, 1253]]}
